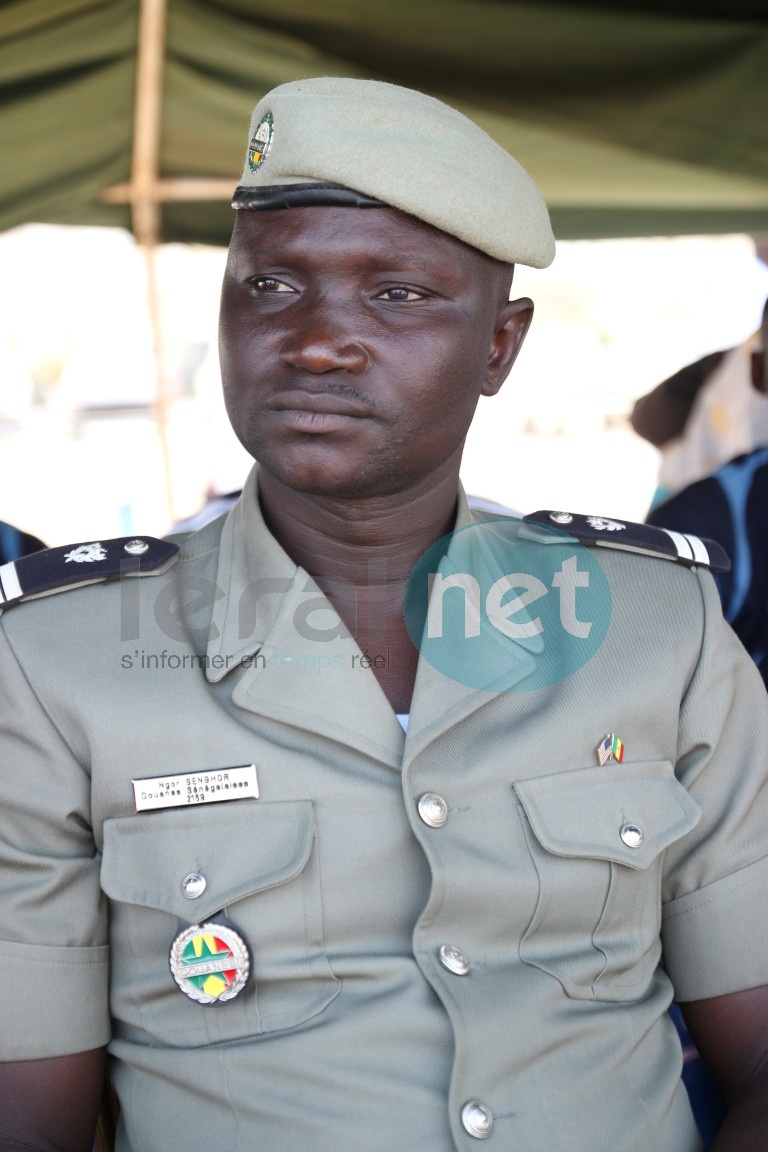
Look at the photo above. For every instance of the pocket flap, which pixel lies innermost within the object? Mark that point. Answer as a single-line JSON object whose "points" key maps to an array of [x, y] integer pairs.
{"points": [[583, 812], [239, 848]]}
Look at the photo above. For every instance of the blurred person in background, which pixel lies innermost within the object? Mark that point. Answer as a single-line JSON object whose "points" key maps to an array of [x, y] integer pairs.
{"points": [[704, 414]]}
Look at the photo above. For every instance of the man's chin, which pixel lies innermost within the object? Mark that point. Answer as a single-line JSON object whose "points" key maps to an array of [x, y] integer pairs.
{"points": [[320, 479]]}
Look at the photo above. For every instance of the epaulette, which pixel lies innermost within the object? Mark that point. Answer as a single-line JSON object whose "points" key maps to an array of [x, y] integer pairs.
{"points": [[599, 531], [54, 569]]}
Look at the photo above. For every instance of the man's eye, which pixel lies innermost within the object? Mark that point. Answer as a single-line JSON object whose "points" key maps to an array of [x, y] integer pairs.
{"points": [[400, 294], [264, 284]]}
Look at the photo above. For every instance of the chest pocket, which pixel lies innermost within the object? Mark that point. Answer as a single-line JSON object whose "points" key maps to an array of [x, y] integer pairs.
{"points": [[597, 838], [259, 861]]}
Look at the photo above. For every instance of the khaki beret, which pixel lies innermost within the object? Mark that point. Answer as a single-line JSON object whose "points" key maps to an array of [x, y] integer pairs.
{"points": [[332, 140]]}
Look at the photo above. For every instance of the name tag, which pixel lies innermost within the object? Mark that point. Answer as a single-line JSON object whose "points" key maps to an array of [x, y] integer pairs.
{"points": [[189, 788]]}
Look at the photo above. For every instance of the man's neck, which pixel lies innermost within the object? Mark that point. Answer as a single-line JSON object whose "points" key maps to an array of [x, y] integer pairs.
{"points": [[344, 539], [361, 553]]}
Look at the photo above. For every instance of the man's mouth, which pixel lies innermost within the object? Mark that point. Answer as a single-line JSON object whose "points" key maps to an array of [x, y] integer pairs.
{"points": [[317, 411]]}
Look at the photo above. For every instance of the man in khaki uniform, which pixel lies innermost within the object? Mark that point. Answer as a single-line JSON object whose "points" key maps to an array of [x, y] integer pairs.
{"points": [[314, 884]]}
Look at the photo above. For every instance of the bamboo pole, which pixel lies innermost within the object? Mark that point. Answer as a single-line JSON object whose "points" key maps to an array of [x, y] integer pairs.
{"points": [[145, 204], [147, 121]]}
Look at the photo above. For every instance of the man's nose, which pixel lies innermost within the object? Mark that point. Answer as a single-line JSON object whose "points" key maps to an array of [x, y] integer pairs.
{"points": [[319, 342]]}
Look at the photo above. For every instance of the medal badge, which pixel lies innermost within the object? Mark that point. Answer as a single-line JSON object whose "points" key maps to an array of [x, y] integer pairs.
{"points": [[210, 962]]}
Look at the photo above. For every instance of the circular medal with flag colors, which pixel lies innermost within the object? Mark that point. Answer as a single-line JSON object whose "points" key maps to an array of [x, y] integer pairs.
{"points": [[260, 142], [210, 962]]}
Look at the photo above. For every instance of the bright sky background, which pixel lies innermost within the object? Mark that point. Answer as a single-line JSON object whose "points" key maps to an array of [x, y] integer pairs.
{"points": [[613, 318]]}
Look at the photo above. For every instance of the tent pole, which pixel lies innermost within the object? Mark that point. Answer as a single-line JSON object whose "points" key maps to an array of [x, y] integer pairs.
{"points": [[145, 205]]}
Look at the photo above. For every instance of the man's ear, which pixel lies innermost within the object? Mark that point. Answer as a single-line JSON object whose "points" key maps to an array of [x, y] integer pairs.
{"points": [[759, 369], [512, 323]]}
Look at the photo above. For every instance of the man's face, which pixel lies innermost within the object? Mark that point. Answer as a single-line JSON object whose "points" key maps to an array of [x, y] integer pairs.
{"points": [[355, 343]]}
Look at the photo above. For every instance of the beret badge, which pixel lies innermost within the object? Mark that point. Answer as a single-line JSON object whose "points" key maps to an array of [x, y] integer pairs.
{"points": [[260, 142]]}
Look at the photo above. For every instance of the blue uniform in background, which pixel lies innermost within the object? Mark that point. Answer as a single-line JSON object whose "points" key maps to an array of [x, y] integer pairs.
{"points": [[730, 506], [14, 543]]}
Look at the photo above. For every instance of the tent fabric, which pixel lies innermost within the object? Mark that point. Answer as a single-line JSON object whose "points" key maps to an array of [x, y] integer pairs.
{"points": [[635, 118]]}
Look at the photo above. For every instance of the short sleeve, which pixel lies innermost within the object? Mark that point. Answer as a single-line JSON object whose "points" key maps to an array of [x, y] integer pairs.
{"points": [[53, 933], [715, 898]]}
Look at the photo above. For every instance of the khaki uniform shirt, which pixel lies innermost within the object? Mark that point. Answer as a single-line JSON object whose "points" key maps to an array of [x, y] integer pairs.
{"points": [[520, 956]]}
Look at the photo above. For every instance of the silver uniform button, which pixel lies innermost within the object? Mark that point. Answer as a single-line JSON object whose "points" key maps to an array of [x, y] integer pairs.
{"points": [[433, 809], [477, 1120], [453, 960], [193, 885], [136, 547], [561, 517], [632, 835]]}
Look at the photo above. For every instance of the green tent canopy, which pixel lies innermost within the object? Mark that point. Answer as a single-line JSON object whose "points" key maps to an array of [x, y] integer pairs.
{"points": [[642, 118]]}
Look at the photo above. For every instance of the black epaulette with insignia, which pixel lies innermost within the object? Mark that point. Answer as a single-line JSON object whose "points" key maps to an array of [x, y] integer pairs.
{"points": [[600, 531], [55, 569]]}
